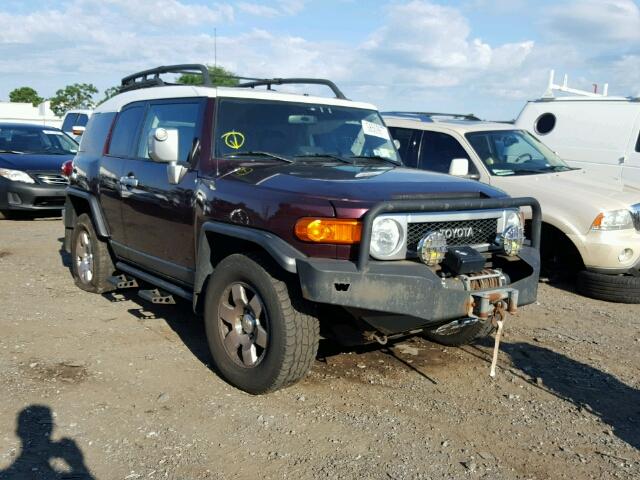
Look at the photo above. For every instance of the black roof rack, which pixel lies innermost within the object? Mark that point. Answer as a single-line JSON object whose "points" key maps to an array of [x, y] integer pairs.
{"points": [[428, 116], [151, 78]]}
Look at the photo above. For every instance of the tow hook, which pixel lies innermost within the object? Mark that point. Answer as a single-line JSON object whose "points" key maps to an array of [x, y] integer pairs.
{"points": [[493, 306]]}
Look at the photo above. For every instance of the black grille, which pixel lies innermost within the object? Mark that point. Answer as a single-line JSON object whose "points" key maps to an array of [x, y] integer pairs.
{"points": [[462, 232]]}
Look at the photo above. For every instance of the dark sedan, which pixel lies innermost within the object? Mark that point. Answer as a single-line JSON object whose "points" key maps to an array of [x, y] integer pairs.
{"points": [[31, 157]]}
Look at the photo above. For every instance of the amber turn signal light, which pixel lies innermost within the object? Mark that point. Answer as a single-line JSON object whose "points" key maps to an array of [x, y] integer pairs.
{"points": [[329, 230]]}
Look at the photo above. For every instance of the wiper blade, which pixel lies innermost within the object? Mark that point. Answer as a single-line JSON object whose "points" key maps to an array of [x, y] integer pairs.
{"points": [[325, 155], [528, 171], [11, 151], [260, 154], [374, 157]]}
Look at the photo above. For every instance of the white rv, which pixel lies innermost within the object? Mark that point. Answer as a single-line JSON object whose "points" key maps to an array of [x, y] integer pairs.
{"points": [[590, 130]]}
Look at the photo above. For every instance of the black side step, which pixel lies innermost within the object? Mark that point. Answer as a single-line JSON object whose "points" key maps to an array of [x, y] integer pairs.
{"points": [[157, 296], [167, 287], [122, 281]]}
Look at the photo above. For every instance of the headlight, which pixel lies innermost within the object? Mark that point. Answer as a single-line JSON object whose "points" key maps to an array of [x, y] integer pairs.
{"points": [[512, 236], [15, 175], [386, 237], [613, 220]]}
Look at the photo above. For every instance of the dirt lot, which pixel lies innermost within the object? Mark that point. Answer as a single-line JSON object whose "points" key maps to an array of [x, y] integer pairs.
{"points": [[109, 389]]}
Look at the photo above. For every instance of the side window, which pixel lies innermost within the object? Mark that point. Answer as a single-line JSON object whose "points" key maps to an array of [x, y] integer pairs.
{"points": [[409, 140], [69, 122], [81, 121], [125, 131], [184, 117], [638, 143], [95, 135], [438, 149]]}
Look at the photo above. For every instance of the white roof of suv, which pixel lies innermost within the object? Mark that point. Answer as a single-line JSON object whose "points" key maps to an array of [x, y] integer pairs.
{"points": [[462, 126], [185, 91]]}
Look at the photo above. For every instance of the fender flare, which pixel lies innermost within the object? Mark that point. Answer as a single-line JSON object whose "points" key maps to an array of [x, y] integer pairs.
{"points": [[96, 211], [280, 251]]}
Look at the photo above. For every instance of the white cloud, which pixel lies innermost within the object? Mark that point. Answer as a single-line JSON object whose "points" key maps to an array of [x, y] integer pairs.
{"points": [[275, 9], [595, 21]]}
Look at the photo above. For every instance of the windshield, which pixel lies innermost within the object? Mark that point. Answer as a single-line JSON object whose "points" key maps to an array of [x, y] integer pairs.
{"points": [[16, 139], [301, 132], [514, 152]]}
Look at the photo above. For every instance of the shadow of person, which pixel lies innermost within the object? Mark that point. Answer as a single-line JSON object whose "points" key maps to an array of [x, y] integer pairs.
{"points": [[41, 458], [616, 403]]}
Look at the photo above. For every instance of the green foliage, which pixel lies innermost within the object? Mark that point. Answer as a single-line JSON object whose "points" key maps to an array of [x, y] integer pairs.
{"points": [[25, 95], [219, 76], [108, 93], [78, 95]]}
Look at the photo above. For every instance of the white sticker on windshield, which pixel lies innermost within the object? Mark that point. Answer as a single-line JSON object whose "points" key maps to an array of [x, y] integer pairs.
{"points": [[51, 132], [375, 130]]}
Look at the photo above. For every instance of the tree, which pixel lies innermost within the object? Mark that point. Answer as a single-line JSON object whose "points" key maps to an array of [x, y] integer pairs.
{"points": [[220, 76], [108, 93], [78, 95], [25, 95]]}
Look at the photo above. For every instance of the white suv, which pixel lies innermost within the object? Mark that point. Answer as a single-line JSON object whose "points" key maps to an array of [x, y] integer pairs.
{"points": [[74, 122], [588, 226]]}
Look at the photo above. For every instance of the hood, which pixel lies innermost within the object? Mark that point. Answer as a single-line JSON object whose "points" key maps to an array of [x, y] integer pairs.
{"points": [[359, 183], [33, 162], [569, 187], [569, 200]]}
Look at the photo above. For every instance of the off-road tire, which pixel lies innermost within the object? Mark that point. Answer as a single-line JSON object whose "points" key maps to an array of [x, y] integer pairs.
{"points": [[293, 327], [465, 336], [611, 288], [102, 262]]}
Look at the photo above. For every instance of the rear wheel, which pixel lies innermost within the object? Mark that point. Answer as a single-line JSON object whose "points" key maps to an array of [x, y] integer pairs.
{"points": [[261, 336], [460, 332], [611, 288], [91, 263]]}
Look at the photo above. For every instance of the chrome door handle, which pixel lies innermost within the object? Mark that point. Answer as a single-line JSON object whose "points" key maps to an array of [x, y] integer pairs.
{"points": [[129, 181]]}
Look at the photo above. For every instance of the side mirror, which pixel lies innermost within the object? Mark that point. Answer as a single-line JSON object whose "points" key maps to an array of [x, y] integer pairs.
{"points": [[163, 146], [459, 167], [77, 130]]}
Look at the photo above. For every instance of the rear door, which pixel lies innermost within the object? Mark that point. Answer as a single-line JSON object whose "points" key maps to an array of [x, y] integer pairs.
{"points": [[158, 216]]}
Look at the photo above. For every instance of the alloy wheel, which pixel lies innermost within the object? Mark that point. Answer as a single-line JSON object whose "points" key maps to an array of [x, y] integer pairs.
{"points": [[243, 324]]}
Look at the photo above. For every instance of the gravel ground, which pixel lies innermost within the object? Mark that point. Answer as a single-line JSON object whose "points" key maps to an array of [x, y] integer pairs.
{"points": [[113, 388]]}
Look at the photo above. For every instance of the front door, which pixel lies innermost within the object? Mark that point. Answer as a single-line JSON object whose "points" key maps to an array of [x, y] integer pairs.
{"points": [[158, 216], [631, 168]]}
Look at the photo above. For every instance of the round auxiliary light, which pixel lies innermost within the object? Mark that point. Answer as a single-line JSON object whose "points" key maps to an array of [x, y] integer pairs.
{"points": [[512, 240], [432, 248]]}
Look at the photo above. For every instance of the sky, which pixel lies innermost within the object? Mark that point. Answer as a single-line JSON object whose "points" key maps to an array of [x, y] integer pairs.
{"points": [[470, 56]]}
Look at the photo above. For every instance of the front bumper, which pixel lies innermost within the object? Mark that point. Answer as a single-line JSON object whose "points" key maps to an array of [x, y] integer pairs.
{"points": [[398, 296], [600, 250], [30, 196], [401, 296]]}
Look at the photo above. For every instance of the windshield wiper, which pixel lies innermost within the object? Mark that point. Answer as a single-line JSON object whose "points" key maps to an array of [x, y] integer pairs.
{"points": [[374, 157], [325, 155], [259, 154], [11, 151]]}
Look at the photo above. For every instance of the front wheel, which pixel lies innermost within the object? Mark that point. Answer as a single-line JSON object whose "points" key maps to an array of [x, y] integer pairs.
{"points": [[261, 336], [611, 288], [460, 332]]}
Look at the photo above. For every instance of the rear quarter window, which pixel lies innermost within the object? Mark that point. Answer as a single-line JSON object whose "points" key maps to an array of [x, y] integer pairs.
{"points": [[95, 136]]}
